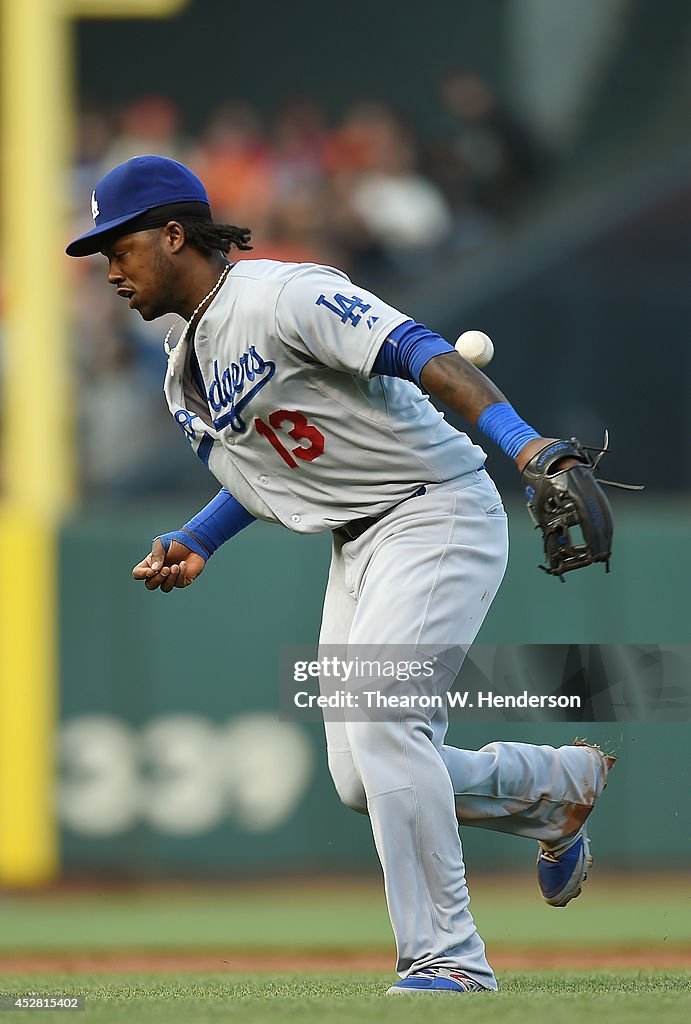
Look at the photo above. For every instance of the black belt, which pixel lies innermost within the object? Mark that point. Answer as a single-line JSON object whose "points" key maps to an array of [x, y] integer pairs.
{"points": [[356, 527]]}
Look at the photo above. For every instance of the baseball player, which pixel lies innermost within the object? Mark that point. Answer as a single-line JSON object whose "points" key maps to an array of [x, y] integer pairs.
{"points": [[306, 396]]}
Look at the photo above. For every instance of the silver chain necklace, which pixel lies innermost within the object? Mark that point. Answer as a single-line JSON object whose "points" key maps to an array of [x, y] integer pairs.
{"points": [[166, 347]]}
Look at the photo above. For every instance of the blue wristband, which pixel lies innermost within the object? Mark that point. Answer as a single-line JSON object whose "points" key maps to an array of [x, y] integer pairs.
{"points": [[188, 539], [502, 424], [217, 522]]}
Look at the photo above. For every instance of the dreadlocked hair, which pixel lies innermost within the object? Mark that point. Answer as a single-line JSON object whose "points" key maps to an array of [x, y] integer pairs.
{"points": [[209, 238]]}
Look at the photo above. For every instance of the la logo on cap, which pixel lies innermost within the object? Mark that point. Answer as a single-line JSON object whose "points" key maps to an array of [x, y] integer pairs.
{"points": [[94, 205]]}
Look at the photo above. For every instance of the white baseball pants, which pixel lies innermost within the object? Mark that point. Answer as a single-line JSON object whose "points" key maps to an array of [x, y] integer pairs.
{"points": [[424, 577]]}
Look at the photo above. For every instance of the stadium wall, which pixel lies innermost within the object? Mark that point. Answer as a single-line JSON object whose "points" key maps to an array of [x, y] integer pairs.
{"points": [[174, 760]]}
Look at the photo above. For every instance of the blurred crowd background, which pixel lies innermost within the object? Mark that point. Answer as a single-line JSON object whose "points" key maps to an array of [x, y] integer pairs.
{"points": [[536, 190], [534, 187], [367, 191]]}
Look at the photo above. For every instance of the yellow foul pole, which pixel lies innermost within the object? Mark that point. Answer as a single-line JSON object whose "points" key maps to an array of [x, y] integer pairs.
{"points": [[37, 484], [38, 472]]}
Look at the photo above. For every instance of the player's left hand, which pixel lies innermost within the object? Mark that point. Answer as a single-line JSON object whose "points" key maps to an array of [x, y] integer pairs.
{"points": [[564, 494], [176, 567]]}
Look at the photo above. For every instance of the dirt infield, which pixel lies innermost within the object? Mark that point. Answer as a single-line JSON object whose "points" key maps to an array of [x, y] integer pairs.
{"points": [[508, 958]]}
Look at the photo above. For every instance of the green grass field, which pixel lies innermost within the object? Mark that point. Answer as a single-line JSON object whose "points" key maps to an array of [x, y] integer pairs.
{"points": [[614, 998], [350, 915], [639, 923]]}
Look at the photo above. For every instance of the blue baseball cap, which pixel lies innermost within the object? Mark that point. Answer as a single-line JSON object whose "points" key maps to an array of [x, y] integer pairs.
{"points": [[136, 187]]}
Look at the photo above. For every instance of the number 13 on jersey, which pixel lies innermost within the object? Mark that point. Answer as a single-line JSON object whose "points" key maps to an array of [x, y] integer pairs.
{"points": [[300, 430]]}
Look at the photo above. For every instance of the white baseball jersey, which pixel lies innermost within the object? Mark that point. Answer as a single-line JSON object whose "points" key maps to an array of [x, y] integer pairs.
{"points": [[292, 422]]}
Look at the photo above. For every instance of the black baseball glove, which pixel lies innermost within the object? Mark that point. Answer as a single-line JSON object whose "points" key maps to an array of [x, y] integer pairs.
{"points": [[562, 501]]}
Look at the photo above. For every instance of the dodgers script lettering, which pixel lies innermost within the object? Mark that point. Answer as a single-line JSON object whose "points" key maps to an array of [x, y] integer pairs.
{"points": [[228, 385]]}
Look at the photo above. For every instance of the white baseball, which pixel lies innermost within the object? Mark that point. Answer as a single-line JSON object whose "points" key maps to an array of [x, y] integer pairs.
{"points": [[476, 347]]}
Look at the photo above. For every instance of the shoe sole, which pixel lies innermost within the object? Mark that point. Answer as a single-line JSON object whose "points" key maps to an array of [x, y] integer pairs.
{"points": [[394, 991]]}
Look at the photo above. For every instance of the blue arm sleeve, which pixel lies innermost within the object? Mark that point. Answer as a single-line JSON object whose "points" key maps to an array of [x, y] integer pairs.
{"points": [[407, 350], [217, 522]]}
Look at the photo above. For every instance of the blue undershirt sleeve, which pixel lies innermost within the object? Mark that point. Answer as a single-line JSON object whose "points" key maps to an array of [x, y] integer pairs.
{"points": [[407, 350], [217, 522]]}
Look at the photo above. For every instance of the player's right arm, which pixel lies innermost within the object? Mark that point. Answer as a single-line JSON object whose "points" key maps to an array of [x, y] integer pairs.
{"points": [[176, 559], [465, 389], [414, 352]]}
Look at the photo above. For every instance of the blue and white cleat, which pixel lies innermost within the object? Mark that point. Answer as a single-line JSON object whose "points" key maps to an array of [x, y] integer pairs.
{"points": [[561, 876], [435, 980], [562, 870]]}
